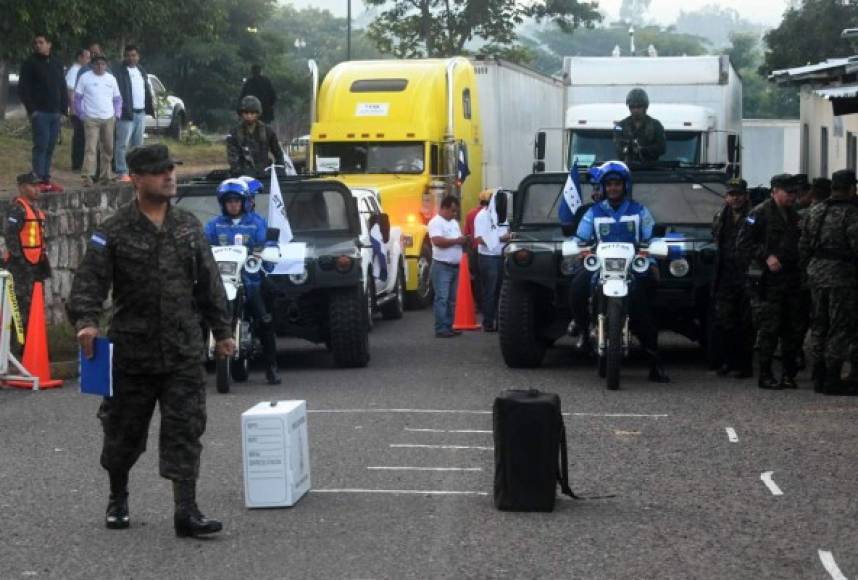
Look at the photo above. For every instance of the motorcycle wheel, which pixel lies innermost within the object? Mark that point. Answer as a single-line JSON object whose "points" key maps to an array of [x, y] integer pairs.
{"points": [[614, 352], [222, 381]]}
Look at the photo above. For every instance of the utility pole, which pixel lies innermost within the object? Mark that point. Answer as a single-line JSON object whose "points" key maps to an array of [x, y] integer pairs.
{"points": [[349, 30]]}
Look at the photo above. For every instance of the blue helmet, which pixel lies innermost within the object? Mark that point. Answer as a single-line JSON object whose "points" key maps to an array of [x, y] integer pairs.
{"points": [[233, 188], [254, 186], [615, 169]]}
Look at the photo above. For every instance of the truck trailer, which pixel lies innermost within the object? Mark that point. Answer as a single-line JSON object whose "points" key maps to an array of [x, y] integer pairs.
{"points": [[412, 131]]}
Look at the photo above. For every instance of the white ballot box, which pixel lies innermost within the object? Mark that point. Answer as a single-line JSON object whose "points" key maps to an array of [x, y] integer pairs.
{"points": [[276, 453]]}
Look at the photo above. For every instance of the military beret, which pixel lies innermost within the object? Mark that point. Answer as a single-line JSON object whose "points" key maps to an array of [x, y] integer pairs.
{"points": [[843, 179], [151, 159], [29, 178], [737, 185], [782, 180]]}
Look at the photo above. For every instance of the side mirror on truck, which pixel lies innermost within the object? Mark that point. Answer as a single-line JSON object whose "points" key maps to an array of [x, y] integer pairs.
{"points": [[539, 152]]}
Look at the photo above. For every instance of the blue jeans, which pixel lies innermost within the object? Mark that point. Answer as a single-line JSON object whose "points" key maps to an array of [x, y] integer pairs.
{"points": [[445, 278], [46, 129], [491, 275], [129, 134]]}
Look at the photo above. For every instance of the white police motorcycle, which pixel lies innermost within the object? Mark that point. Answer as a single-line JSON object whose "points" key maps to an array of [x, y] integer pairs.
{"points": [[231, 261], [615, 263]]}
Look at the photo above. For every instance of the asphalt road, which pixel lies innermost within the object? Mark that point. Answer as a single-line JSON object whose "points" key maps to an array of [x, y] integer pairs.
{"points": [[689, 502]]}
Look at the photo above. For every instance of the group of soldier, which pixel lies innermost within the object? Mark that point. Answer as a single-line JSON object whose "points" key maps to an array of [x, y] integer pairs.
{"points": [[786, 265]]}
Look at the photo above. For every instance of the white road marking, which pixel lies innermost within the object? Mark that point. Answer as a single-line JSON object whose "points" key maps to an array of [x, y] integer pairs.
{"points": [[400, 491], [731, 435], [446, 430], [386, 468], [773, 487], [477, 412], [830, 565], [413, 446]]}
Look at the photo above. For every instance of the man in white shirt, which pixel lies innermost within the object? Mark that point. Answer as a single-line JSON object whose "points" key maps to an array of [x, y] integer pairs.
{"points": [[81, 60], [136, 104], [447, 242], [490, 236], [98, 103]]}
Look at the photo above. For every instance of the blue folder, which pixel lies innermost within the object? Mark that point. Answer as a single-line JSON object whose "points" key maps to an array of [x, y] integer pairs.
{"points": [[96, 373]]}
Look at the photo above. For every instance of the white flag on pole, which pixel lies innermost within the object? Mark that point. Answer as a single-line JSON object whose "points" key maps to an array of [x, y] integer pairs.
{"points": [[277, 218]]}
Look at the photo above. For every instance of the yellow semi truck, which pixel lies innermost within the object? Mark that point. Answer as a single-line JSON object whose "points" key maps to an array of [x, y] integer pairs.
{"points": [[410, 131]]}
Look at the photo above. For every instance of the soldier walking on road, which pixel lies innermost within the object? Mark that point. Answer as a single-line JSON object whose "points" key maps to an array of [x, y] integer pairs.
{"points": [[252, 146], [26, 257], [767, 249], [829, 246], [734, 333], [163, 278]]}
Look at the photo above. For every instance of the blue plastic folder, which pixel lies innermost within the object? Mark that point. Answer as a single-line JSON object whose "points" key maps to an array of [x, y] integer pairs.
{"points": [[96, 373]]}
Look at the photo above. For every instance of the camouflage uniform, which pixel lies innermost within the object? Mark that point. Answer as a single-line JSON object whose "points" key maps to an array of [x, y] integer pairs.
{"points": [[165, 284], [248, 152], [650, 139], [829, 247], [733, 329], [24, 274], [769, 230]]}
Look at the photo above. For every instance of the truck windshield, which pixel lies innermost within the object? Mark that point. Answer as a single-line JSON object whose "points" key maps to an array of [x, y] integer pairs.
{"points": [[365, 157], [596, 146]]}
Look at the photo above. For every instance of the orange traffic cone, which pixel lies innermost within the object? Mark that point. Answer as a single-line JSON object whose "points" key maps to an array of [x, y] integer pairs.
{"points": [[466, 314], [36, 347]]}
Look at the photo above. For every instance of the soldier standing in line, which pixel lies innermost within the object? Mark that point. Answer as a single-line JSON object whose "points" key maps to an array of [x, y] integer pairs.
{"points": [[159, 266], [639, 138], [26, 257], [733, 330], [829, 246], [767, 249]]}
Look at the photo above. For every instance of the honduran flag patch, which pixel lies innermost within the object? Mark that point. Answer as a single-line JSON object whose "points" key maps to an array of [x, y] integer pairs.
{"points": [[98, 239]]}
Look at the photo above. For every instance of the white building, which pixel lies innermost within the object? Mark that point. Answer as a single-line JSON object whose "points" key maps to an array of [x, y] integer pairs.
{"points": [[828, 93]]}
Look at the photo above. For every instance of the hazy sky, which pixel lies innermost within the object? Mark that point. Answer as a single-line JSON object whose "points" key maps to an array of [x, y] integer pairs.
{"points": [[768, 12]]}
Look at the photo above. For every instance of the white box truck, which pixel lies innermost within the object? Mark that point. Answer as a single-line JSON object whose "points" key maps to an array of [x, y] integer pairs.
{"points": [[697, 99], [769, 147]]}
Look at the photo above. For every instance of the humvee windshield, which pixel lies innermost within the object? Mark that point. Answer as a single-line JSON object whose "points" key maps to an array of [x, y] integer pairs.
{"points": [[598, 146], [677, 207], [308, 211]]}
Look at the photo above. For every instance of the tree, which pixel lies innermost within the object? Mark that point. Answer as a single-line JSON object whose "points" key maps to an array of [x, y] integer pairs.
{"points": [[436, 28], [760, 99], [715, 23], [633, 11], [810, 33]]}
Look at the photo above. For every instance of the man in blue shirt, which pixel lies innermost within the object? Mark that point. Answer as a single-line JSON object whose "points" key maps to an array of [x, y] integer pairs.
{"points": [[239, 219], [618, 218]]}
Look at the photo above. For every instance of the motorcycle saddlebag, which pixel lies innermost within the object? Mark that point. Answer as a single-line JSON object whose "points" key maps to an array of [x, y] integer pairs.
{"points": [[530, 451]]}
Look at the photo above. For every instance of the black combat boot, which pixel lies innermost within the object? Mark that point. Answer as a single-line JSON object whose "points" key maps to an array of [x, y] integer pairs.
{"points": [[790, 367], [833, 383], [188, 520], [269, 348], [656, 371], [767, 379], [818, 376], [117, 517]]}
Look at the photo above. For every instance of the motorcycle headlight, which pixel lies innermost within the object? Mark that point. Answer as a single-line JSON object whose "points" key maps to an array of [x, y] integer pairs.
{"points": [[299, 279], [252, 265], [679, 268], [591, 263], [227, 268], [615, 264], [567, 265], [640, 264]]}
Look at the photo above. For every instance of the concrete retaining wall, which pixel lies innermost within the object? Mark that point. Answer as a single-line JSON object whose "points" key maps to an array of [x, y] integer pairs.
{"points": [[71, 218]]}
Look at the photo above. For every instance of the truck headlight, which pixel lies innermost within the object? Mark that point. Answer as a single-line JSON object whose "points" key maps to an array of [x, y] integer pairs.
{"points": [[679, 268], [523, 257], [299, 279], [567, 265]]}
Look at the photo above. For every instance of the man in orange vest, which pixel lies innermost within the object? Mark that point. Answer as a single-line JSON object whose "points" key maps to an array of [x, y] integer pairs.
{"points": [[26, 258]]}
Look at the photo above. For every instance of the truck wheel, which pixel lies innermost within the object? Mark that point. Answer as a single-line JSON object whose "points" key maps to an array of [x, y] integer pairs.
{"points": [[348, 328], [520, 345], [239, 369], [423, 296], [222, 381], [614, 354], [393, 309], [177, 126]]}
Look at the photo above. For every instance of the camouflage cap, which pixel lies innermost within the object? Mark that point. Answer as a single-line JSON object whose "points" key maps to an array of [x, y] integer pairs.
{"points": [[737, 185], [28, 178], [151, 159], [843, 179]]}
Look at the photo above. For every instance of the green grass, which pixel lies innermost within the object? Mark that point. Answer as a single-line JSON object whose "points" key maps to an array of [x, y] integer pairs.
{"points": [[16, 151]]}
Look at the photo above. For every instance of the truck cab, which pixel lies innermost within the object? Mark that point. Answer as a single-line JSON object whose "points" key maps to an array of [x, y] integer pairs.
{"points": [[405, 131]]}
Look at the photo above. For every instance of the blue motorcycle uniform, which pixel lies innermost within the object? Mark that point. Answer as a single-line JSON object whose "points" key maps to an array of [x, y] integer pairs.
{"points": [[222, 231], [630, 223]]}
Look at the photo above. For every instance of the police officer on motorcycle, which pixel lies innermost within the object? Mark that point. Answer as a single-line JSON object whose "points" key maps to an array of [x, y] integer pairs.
{"points": [[618, 218], [239, 219]]}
